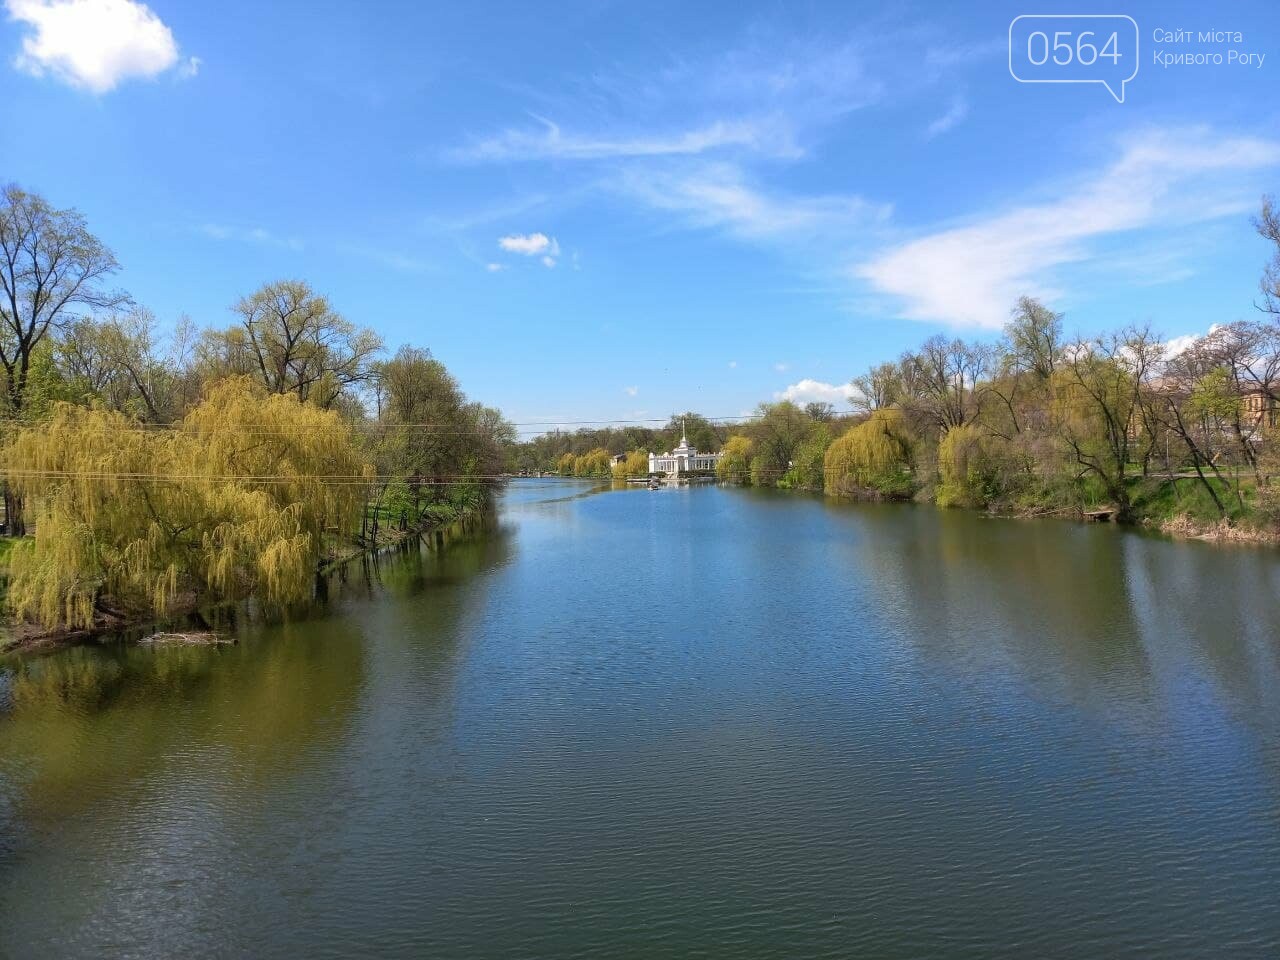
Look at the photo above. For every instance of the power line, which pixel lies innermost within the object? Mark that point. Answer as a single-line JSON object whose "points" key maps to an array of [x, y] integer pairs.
{"points": [[382, 425], [335, 479]]}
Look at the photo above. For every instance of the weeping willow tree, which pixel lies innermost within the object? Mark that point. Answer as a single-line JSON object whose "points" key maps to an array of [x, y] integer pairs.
{"points": [[236, 500], [735, 464], [593, 463], [874, 456], [636, 465]]}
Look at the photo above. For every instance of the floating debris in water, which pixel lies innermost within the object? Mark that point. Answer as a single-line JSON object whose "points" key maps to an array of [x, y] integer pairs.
{"points": [[188, 639]]}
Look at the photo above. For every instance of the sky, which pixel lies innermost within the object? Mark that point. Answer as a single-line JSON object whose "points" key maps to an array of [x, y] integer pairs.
{"points": [[607, 210]]}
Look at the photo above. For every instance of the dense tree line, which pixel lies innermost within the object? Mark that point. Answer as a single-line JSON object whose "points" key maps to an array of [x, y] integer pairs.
{"points": [[1039, 422], [1033, 422], [558, 451], [186, 464]]}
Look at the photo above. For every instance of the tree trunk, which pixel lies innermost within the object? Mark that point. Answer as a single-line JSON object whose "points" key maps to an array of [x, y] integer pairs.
{"points": [[14, 523]]}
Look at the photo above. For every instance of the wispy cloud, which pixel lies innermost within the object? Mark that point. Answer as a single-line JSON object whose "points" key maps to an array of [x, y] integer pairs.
{"points": [[764, 96], [260, 235], [968, 275], [955, 115], [395, 260], [549, 141], [95, 44], [631, 391], [719, 195]]}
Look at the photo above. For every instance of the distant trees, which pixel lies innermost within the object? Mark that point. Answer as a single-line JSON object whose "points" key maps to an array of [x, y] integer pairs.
{"points": [[593, 463], [125, 362], [635, 465]]}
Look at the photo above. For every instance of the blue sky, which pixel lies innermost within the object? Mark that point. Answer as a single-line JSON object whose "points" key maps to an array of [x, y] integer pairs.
{"points": [[617, 210]]}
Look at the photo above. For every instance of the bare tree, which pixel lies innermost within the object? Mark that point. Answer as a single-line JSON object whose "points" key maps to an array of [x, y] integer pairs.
{"points": [[291, 339], [879, 387], [1268, 226], [1177, 405], [1034, 334], [51, 268], [941, 382]]}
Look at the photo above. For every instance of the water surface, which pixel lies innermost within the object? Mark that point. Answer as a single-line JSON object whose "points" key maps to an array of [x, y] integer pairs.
{"points": [[694, 722]]}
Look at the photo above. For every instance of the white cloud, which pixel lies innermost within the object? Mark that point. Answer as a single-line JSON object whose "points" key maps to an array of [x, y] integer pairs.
{"points": [[782, 367], [630, 391], [733, 364], [815, 391], [955, 114], [969, 275], [532, 245], [526, 244], [95, 44], [1176, 345], [494, 267]]}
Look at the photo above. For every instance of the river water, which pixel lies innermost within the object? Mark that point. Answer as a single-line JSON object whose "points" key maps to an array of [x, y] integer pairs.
{"points": [[687, 722]]}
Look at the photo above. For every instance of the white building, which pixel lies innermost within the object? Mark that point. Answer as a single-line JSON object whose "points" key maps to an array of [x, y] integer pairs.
{"points": [[683, 459]]}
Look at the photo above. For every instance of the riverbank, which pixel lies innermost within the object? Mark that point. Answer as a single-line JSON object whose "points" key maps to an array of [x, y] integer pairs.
{"points": [[23, 637], [1177, 507]]}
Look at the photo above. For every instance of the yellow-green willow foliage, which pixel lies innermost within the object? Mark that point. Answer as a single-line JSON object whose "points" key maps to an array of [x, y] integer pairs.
{"points": [[735, 465], [874, 456], [593, 463], [636, 465], [235, 500], [974, 468]]}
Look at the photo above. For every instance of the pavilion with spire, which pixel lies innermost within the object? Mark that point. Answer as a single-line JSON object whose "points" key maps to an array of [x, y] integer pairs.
{"points": [[683, 459]]}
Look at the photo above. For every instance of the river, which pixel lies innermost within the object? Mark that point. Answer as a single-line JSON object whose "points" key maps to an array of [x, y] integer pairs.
{"points": [[686, 722]]}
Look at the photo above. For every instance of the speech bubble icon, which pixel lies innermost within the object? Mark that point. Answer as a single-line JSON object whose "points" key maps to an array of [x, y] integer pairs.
{"points": [[1048, 48]]}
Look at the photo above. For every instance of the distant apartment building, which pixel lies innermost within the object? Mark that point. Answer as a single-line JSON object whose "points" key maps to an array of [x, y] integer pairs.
{"points": [[1259, 412], [1259, 409]]}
